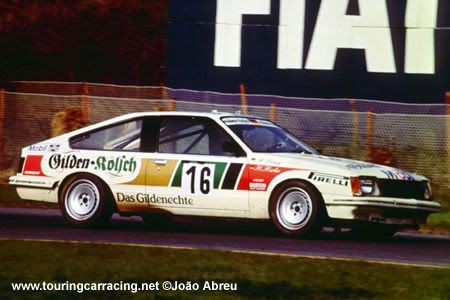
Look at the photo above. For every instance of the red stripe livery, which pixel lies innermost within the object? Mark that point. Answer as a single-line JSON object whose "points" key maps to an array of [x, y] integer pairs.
{"points": [[33, 166], [260, 175]]}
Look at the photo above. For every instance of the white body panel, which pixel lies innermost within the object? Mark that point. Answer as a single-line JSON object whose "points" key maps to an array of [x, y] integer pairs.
{"points": [[230, 187]]}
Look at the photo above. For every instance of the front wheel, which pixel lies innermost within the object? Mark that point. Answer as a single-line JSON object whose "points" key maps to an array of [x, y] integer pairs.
{"points": [[296, 209], [84, 201]]}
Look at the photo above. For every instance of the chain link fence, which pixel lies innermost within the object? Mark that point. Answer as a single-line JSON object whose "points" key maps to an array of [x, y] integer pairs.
{"points": [[414, 138], [152, 92]]}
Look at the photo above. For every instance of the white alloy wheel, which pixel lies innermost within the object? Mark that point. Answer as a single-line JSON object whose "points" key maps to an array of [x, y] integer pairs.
{"points": [[294, 208], [82, 199]]}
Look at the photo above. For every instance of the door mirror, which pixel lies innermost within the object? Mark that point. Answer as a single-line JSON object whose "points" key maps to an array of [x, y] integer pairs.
{"points": [[233, 148]]}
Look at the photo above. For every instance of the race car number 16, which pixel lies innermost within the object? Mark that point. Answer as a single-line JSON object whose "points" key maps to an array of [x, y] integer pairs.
{"points": [[197, 178]]}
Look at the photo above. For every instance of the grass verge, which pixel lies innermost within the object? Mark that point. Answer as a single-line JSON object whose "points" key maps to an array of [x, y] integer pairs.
{"points": [[440, 220], [257, 276]]}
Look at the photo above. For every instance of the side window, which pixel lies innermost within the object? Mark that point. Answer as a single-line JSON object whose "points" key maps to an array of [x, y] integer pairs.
{"points": [[122, 137], [260, 138], [186, 135]]}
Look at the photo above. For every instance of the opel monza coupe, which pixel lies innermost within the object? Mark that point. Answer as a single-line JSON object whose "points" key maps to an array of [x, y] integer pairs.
{"points": [[216, 165]]}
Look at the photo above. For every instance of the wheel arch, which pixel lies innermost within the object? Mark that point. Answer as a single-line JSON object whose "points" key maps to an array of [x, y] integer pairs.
{"points": [[81, 174], [310, 184]]}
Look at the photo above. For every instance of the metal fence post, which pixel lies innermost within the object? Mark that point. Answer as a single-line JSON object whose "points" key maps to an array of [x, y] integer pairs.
{"points": [[447, 102], [2, 124], [172, 105], [355, 129], [273, 112], [369, 133], [85, 106], [243, 99]]}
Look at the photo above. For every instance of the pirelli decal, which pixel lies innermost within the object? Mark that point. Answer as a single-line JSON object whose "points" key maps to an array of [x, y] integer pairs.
{"points": [[329, 179]]}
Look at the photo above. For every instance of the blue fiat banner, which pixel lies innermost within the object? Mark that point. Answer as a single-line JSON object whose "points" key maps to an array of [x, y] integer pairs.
{"points": [[394, 50]]}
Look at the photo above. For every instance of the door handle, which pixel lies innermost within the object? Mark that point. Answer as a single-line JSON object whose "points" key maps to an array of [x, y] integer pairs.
{"points": [[160, 161]]}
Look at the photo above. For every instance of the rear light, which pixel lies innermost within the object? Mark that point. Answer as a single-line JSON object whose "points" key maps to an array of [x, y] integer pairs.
{"points": [[20, 166]]}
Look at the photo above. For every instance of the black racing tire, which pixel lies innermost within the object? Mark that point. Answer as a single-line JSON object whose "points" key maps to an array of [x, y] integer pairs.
{"points": [[85, 201], [296, 209], [374, 232]]}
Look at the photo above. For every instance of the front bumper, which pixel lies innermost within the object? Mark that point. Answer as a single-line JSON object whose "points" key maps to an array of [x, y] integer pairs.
{"points": [[381, 210]]}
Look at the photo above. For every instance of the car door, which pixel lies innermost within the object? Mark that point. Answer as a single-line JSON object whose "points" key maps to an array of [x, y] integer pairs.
{"points": [[191, 173]]}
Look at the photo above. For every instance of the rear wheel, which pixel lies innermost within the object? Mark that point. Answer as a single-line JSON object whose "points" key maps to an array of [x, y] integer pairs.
{"points": [[84, 200], [296, 209]]}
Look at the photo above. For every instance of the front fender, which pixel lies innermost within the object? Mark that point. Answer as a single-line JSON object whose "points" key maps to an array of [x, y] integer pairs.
{"points": [[324, 183]]}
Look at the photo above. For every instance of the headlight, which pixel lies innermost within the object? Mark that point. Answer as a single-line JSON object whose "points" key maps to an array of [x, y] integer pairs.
{"points": [[364, 186], [427, 195]]}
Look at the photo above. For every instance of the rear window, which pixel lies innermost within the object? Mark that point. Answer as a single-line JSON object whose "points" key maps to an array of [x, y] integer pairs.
{"points": [[122, 137]]}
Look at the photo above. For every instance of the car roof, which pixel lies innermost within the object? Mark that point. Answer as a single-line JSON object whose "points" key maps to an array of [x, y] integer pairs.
{"points": [[213, 114], [123, 118]]}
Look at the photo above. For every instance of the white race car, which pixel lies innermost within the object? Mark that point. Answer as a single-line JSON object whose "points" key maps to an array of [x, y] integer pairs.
{"points": [[215, 165]]}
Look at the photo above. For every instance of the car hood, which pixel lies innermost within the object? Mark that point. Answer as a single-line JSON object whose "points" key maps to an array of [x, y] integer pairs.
{"points": [[335, 166]]}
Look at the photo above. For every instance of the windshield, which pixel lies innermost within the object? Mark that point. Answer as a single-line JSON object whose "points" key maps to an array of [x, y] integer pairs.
{"points": [[264, 136]]}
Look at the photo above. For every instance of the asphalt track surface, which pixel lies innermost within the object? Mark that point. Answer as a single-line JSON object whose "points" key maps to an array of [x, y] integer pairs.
{"points": [[404, 248]]}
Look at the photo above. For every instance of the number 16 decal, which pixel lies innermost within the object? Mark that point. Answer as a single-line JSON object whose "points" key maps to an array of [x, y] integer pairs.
{"points": [[198, 178]]}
